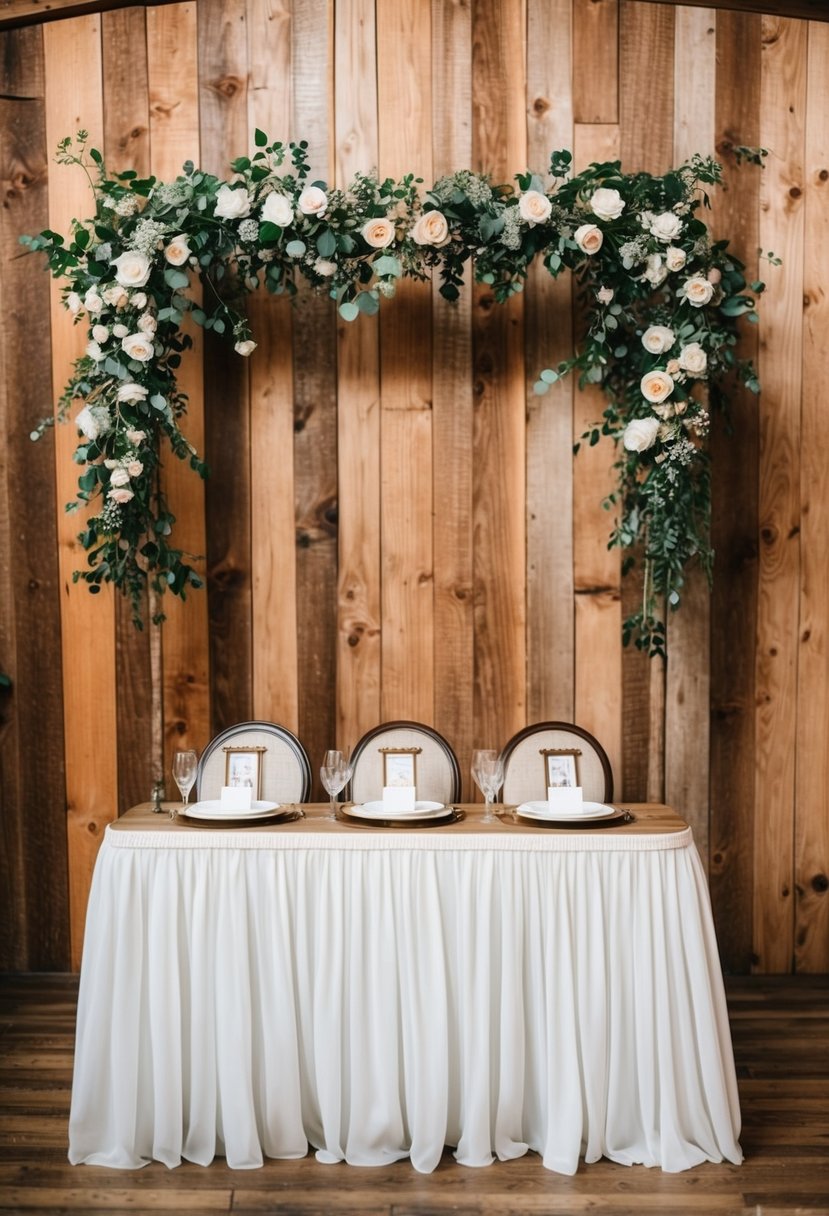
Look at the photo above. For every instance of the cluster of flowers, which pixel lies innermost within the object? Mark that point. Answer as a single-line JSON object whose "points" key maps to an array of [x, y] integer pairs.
{"points": [[661, 300]]}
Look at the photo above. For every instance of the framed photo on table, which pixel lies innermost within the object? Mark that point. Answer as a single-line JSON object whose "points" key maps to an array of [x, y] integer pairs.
{"points": [[561, 769], [243, 767], [399, 767]]}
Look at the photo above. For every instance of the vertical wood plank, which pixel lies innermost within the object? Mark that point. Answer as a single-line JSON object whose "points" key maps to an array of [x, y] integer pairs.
{"points": [[812, 756], [734, 521], [273, 553], [550, 606], [687, 679], [358, 403], [34, 897], [499, 146], [127, 146], [596, 569], [452, 405], [404, 48], [223, 122], [172, 64], [72, 56], [595, 61], [782, 105], [315, 417]]}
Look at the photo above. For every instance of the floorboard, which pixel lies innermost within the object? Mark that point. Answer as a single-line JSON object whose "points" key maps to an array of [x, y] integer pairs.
{"points": [[780, 1029]]}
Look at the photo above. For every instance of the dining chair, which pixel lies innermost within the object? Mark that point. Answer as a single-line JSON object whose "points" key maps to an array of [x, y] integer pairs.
{"points": [[438, 776], [280, 762], [525, 762]]}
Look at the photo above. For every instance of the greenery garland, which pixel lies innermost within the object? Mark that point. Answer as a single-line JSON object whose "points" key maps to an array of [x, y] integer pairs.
{"points": [[661, 300]]}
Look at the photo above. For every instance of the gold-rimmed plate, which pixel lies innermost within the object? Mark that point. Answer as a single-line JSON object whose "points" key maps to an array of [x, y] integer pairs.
{"points": [[285, 814], [453, 815], [615, 818]]}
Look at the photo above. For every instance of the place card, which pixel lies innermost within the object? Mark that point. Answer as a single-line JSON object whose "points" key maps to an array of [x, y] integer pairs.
{"points": [[236, 797], [399, 798], [565, 798]]}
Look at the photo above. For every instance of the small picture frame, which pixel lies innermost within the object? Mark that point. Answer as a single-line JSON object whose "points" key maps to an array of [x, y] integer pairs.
{"points": [[399, 766], [243, 768], [561, 768]]}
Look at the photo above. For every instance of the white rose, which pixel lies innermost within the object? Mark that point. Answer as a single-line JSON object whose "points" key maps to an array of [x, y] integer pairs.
{"points": [[278, 210], [534, 207], [147, 324], [115, 296], [325, 268], [655, 271], [589, 238], [604, 295], [245, 347], [135, 468], [607, 204], [131, 392], [100, 333], [313, 201], [87, 424], [666, 227], [136, 437], [138, 300], [232, 204], [431, 229], [640, 434], [74, 303], [178, 251], [94, 351], [138, 346], [378, 233], [674, 257], [657, 339], [693, 359], [120, 495], [132, 269], [120, 477], [93, 302], [656, 386], [119, 331], [697, 290]]}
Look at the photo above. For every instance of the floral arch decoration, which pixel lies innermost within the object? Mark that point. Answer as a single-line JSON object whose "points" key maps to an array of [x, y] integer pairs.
{"points": [[662, 302]]}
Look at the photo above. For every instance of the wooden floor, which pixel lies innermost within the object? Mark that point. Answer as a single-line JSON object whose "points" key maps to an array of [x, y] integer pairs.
{"points": [[781, 1039]]}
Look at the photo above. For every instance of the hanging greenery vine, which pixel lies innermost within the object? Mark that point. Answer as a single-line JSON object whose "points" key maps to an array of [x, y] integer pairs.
{"points": [[661, 298]]}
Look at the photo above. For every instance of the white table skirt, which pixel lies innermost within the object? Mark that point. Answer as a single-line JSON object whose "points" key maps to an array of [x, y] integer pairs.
{"points": [[247, 994]]}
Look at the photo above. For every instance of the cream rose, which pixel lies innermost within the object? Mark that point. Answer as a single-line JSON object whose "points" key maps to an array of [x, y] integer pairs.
{"points": [[378, 233], [607, 204], [93, 302], [139, 300], [246, 346], [120, 331], [100, 333], [640, 434], [656, 386], [589, 238], [138, 346], [674, 257], [698, 291], [313, 201], [136, 437], [714, 275], [135, 468], [658, 338], [120, 477], [278, 210], [325, 268], [666, 226], [132, 269], [232, 204], [178, 251], [115, 296], [147, 324], [74, 303], [87, 423], [121, 495], [655, 271], [693, 359], [94, 351], [534, 207], [131, 392], [604, 295], [431, 229]]}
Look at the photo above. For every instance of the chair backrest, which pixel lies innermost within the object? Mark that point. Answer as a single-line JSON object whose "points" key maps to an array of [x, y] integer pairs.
{"points": [[438, 776], [285, 771], [524, 762]]}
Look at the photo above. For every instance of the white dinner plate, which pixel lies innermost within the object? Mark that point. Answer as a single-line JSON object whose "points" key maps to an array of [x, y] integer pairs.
{"points": [[376, 810], [543, 810], [213, 809]]}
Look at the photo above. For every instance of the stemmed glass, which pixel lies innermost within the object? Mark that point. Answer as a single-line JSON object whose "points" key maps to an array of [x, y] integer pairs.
{"points": [[335, 775], [184, 772], [488, 771]]}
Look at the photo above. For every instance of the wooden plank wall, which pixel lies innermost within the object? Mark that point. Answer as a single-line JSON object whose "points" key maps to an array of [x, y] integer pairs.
{"points": [[396, 527]]}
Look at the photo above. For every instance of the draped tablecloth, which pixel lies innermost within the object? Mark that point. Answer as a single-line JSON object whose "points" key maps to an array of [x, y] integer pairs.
{"points": [[381, 994]]}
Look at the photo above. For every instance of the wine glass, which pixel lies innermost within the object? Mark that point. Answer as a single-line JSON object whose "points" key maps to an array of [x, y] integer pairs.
{"points": [[335, 774], [184, 772], [488, 772]]}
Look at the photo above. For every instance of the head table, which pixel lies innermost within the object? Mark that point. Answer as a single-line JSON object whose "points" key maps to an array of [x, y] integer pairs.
{"points": [[379, 994]]}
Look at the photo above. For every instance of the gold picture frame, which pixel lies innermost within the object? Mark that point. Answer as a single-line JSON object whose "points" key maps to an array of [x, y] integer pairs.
{"points": [[400, 766], [243, 767], [561, 767]]}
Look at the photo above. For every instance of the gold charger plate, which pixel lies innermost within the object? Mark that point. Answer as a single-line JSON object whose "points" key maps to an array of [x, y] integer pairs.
{"points": [[453, 815], [289, 815], [615, 820]]}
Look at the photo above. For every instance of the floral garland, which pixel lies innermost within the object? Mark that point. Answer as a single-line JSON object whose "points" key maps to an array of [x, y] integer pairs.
{"points": [[661, 299]]}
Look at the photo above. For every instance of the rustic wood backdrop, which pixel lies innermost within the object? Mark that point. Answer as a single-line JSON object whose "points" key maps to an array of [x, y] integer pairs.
{"points": [[395, 526]]}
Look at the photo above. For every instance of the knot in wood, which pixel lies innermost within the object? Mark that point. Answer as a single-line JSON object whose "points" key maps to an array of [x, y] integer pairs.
{"points": [[820, 883], [228, 86]]}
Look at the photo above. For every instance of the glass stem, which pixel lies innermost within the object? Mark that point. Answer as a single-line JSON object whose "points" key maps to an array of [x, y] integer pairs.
{"points": [[333, 798]]}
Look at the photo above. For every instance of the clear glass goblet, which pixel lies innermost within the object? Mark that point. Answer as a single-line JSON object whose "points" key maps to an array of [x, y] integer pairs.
{"points": [[488, 773], [185, 764], [335, 774]]}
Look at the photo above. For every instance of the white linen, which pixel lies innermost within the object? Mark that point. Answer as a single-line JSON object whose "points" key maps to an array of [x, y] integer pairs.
{"points": [[384, 994]]}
